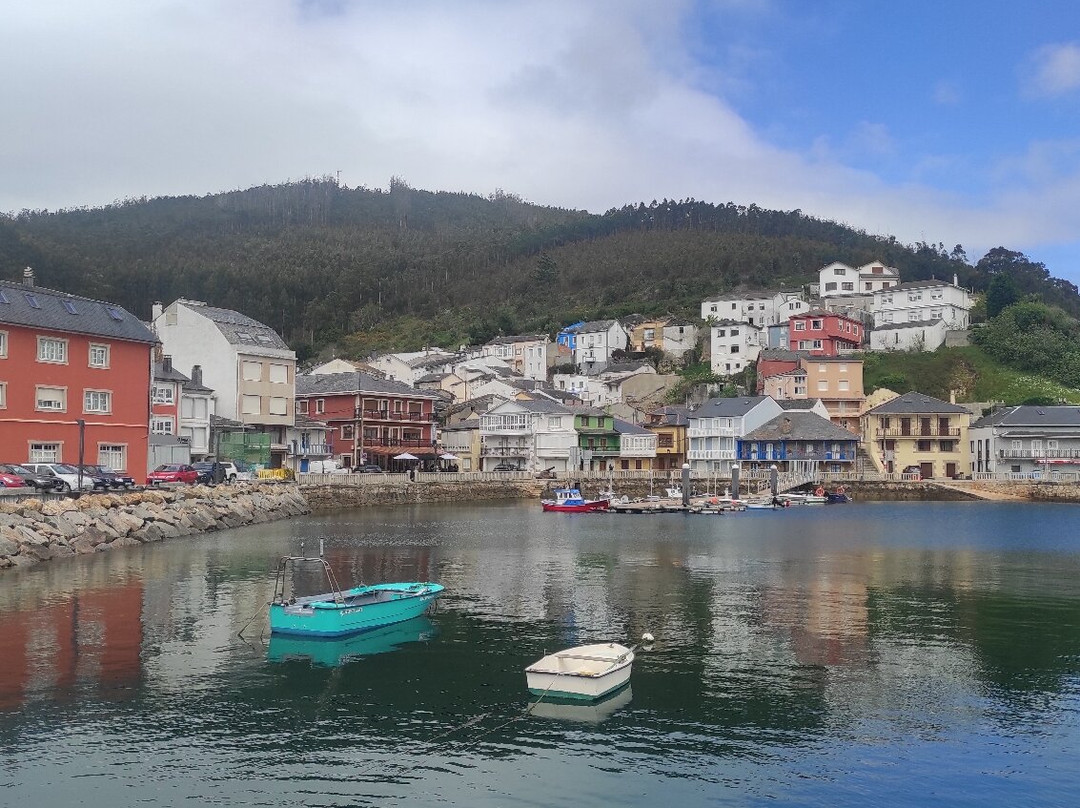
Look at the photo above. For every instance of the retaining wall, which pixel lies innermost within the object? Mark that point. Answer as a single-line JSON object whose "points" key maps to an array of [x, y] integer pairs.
{"points": [[33, 530]]}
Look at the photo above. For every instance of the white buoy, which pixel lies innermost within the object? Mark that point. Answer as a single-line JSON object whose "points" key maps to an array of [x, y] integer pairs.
{"points": [[647, 637]]}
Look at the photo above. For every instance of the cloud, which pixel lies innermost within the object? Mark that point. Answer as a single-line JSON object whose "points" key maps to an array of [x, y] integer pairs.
{"points": [[1054, 70]]}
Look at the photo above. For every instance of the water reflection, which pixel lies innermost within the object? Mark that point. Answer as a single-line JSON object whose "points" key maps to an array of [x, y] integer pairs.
{"points": [[576, 711], [831, 633]]}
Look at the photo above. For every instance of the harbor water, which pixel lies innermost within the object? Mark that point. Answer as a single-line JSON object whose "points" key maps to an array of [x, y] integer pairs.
{"points": [[907, 654]]}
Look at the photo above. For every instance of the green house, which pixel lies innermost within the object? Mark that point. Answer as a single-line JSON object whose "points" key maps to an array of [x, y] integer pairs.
{"points": [[597, 441]]}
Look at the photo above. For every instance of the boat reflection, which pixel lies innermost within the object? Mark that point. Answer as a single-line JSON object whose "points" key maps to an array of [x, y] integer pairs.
{"points": [[330, 652], [582, 712]]}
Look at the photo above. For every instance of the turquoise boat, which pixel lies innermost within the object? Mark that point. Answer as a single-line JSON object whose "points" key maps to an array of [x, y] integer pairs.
{"points": [[341, 612], [331, 652]]}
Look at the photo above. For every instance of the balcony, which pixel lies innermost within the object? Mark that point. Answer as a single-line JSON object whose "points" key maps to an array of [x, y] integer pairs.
{"points": [[311, 449], [717, 432], [817, 457], [386, 415], [503, 429], [509, 450], [933, 432], [711, 454], [1038, 454]]}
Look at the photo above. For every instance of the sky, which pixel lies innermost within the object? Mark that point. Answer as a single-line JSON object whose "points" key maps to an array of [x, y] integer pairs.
{"points": [[951, 121]]}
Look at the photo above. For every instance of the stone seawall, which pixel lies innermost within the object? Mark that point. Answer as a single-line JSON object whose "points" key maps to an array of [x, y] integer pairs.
{"points": [[33, 530], [325, 497]]}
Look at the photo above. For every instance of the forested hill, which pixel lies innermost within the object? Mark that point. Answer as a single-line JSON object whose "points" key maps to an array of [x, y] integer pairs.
{"points": [[400, 268]]}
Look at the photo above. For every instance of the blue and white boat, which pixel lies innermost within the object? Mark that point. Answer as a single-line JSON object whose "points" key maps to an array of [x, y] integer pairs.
{"points": [[330, 652], [340, 612]]}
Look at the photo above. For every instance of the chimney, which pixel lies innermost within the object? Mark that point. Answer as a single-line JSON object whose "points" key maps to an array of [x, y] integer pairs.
{"points": [[28, 277], [952, 396], [954, 279], [196, 374], [156, 310], [166, 363]]}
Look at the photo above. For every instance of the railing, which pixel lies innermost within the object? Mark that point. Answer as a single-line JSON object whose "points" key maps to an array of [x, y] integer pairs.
{"points": [[314, 449], [711, 454], [1022, 476], [504, 451], [933, 432], [722, 432], [1038, 454], [385, 415], [766, 457]]}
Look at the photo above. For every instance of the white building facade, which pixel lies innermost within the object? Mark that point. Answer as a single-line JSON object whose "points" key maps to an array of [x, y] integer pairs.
{"points": [[923, 302], [595, 342], [762, 309], [717, 425], [529, 435], [734, 345], [838, 279]]}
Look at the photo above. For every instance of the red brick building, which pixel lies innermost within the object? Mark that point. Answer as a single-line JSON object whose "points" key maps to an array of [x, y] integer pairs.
{"points": [[72, 367], [371, 420], [824, 333]]}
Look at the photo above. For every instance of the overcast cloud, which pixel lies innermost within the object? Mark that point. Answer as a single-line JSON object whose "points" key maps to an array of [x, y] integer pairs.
{"points": [[577, 104]]}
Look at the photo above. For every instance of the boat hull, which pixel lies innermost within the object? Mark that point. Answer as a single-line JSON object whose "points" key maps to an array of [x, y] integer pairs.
{"points": [[584, 673], [330, 652], [362, 608], [583, 507]]}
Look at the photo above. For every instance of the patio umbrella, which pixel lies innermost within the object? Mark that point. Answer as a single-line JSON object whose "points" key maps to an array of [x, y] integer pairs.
{"points": [[406, 456], [448, 456]]}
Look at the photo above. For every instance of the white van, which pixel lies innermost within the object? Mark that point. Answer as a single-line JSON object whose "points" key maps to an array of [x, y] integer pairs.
{"points": [[68, 475]]}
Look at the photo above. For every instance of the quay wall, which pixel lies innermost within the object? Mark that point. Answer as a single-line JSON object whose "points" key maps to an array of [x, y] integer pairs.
{"points": [[34, 530]]}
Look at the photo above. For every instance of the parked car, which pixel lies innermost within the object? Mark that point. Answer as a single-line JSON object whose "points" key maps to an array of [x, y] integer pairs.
{"points": [[100, 481], [68, 475], [115, 478], [236, 471], [172, 473], [11, 480], [506, 467], [205, 468], [368, 470], [31, 478]]}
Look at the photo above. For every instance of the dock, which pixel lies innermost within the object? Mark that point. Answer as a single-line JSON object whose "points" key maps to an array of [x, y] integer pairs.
{"points": [[699, 505]]}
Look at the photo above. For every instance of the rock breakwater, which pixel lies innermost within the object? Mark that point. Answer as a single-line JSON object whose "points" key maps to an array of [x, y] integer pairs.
{"points": [[33, 530]]}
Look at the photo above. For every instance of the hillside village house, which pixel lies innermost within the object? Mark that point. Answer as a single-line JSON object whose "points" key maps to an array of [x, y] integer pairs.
{"points": [[637, 446], [72, 367], [528, 355], [251, 370], [718, 424], [756, 308], [596, 341], [733, 345], [799, 440], [180, 410], [916, 430], [308, 441], [669, 424], [529, 435], [597, 439], [1029, 440], [838, 279], [371, 420], [674, 336], [462, 440], [196, 409], [836, 381], [824, 333], [918, 336], [924, 302]]}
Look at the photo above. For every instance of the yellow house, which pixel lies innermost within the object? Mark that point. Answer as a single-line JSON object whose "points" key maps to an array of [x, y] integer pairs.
{"points": [[670, 424], [920, 431]]}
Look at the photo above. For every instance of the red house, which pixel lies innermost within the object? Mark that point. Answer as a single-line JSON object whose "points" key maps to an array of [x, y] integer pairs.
{"points": [[824, 333], [72, 370], [371, 420]]}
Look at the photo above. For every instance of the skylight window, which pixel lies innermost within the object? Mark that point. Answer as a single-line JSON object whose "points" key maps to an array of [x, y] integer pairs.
{"points": [[114, 313], [70, 307], [33, 301], [3, 297]]}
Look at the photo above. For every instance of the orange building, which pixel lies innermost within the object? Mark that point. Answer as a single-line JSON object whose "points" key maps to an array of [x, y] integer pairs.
{"points": [[70, 368]]}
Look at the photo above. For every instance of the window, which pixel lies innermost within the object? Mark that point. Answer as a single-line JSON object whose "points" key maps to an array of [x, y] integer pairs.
{"points": [[45, 452], [922, 445], [839, 271], [734, 348], [815, 325], [97, 401], [279, 374], [817, 345], [847, 287], [279, 405], [250, 405], [822, 385], [112, 455], [347, 431], [3, 395], [842, 367], [3, 344], [163, 394], [1051, 445], [252, 371], [843, 385], [831, 286], [822, 368], [945, 445], [734, 332], [51, 398], [302, 406], [99, 355], [720, 332], [161, 425], [555, 422], [800, 325], [52, 349]]}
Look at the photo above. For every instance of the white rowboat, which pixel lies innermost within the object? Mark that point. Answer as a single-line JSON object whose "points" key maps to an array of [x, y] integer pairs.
{"points": [[586, 672]]}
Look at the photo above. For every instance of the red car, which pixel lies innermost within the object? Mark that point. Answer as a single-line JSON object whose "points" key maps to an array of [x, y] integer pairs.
{"points": [[172, 473], [11, 480]]}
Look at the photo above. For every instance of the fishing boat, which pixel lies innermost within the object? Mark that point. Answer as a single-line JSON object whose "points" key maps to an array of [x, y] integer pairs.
{"points": [[571, 501], [331, 652], [586, 672], [840, 495], [340, 612]]}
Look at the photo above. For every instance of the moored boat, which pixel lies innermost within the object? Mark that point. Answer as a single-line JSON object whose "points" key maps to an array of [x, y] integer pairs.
{"points": [[586, 672], [340, 612], [571, 501], [330, 652]]}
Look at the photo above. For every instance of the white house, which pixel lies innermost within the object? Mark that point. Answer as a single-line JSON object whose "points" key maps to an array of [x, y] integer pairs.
{"points": [[918, 336], [733, 345], [838, 279], [251, 370], [1028, 440], [924, 301], [595, 342], [524, 354], [759, 308], [718, 423], [196, 407], [529, 435], [637, 445], [407, 367]]}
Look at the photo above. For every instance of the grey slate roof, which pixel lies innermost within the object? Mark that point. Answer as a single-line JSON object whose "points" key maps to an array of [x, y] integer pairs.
{"points": [[916, 404], [627, 428], [595, 326], [671, 415], [354, 382], [170, 375], [797, 403], [727, 407], [80, 315], [930, 284], [781, 355], [239, 329], [800, 426], [518, 338], [1030, 416], [898, 326], [307, 422]]}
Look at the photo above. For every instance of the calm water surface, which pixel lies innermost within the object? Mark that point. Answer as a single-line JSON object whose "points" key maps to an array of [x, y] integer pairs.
{"points": [[906, 654]]}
